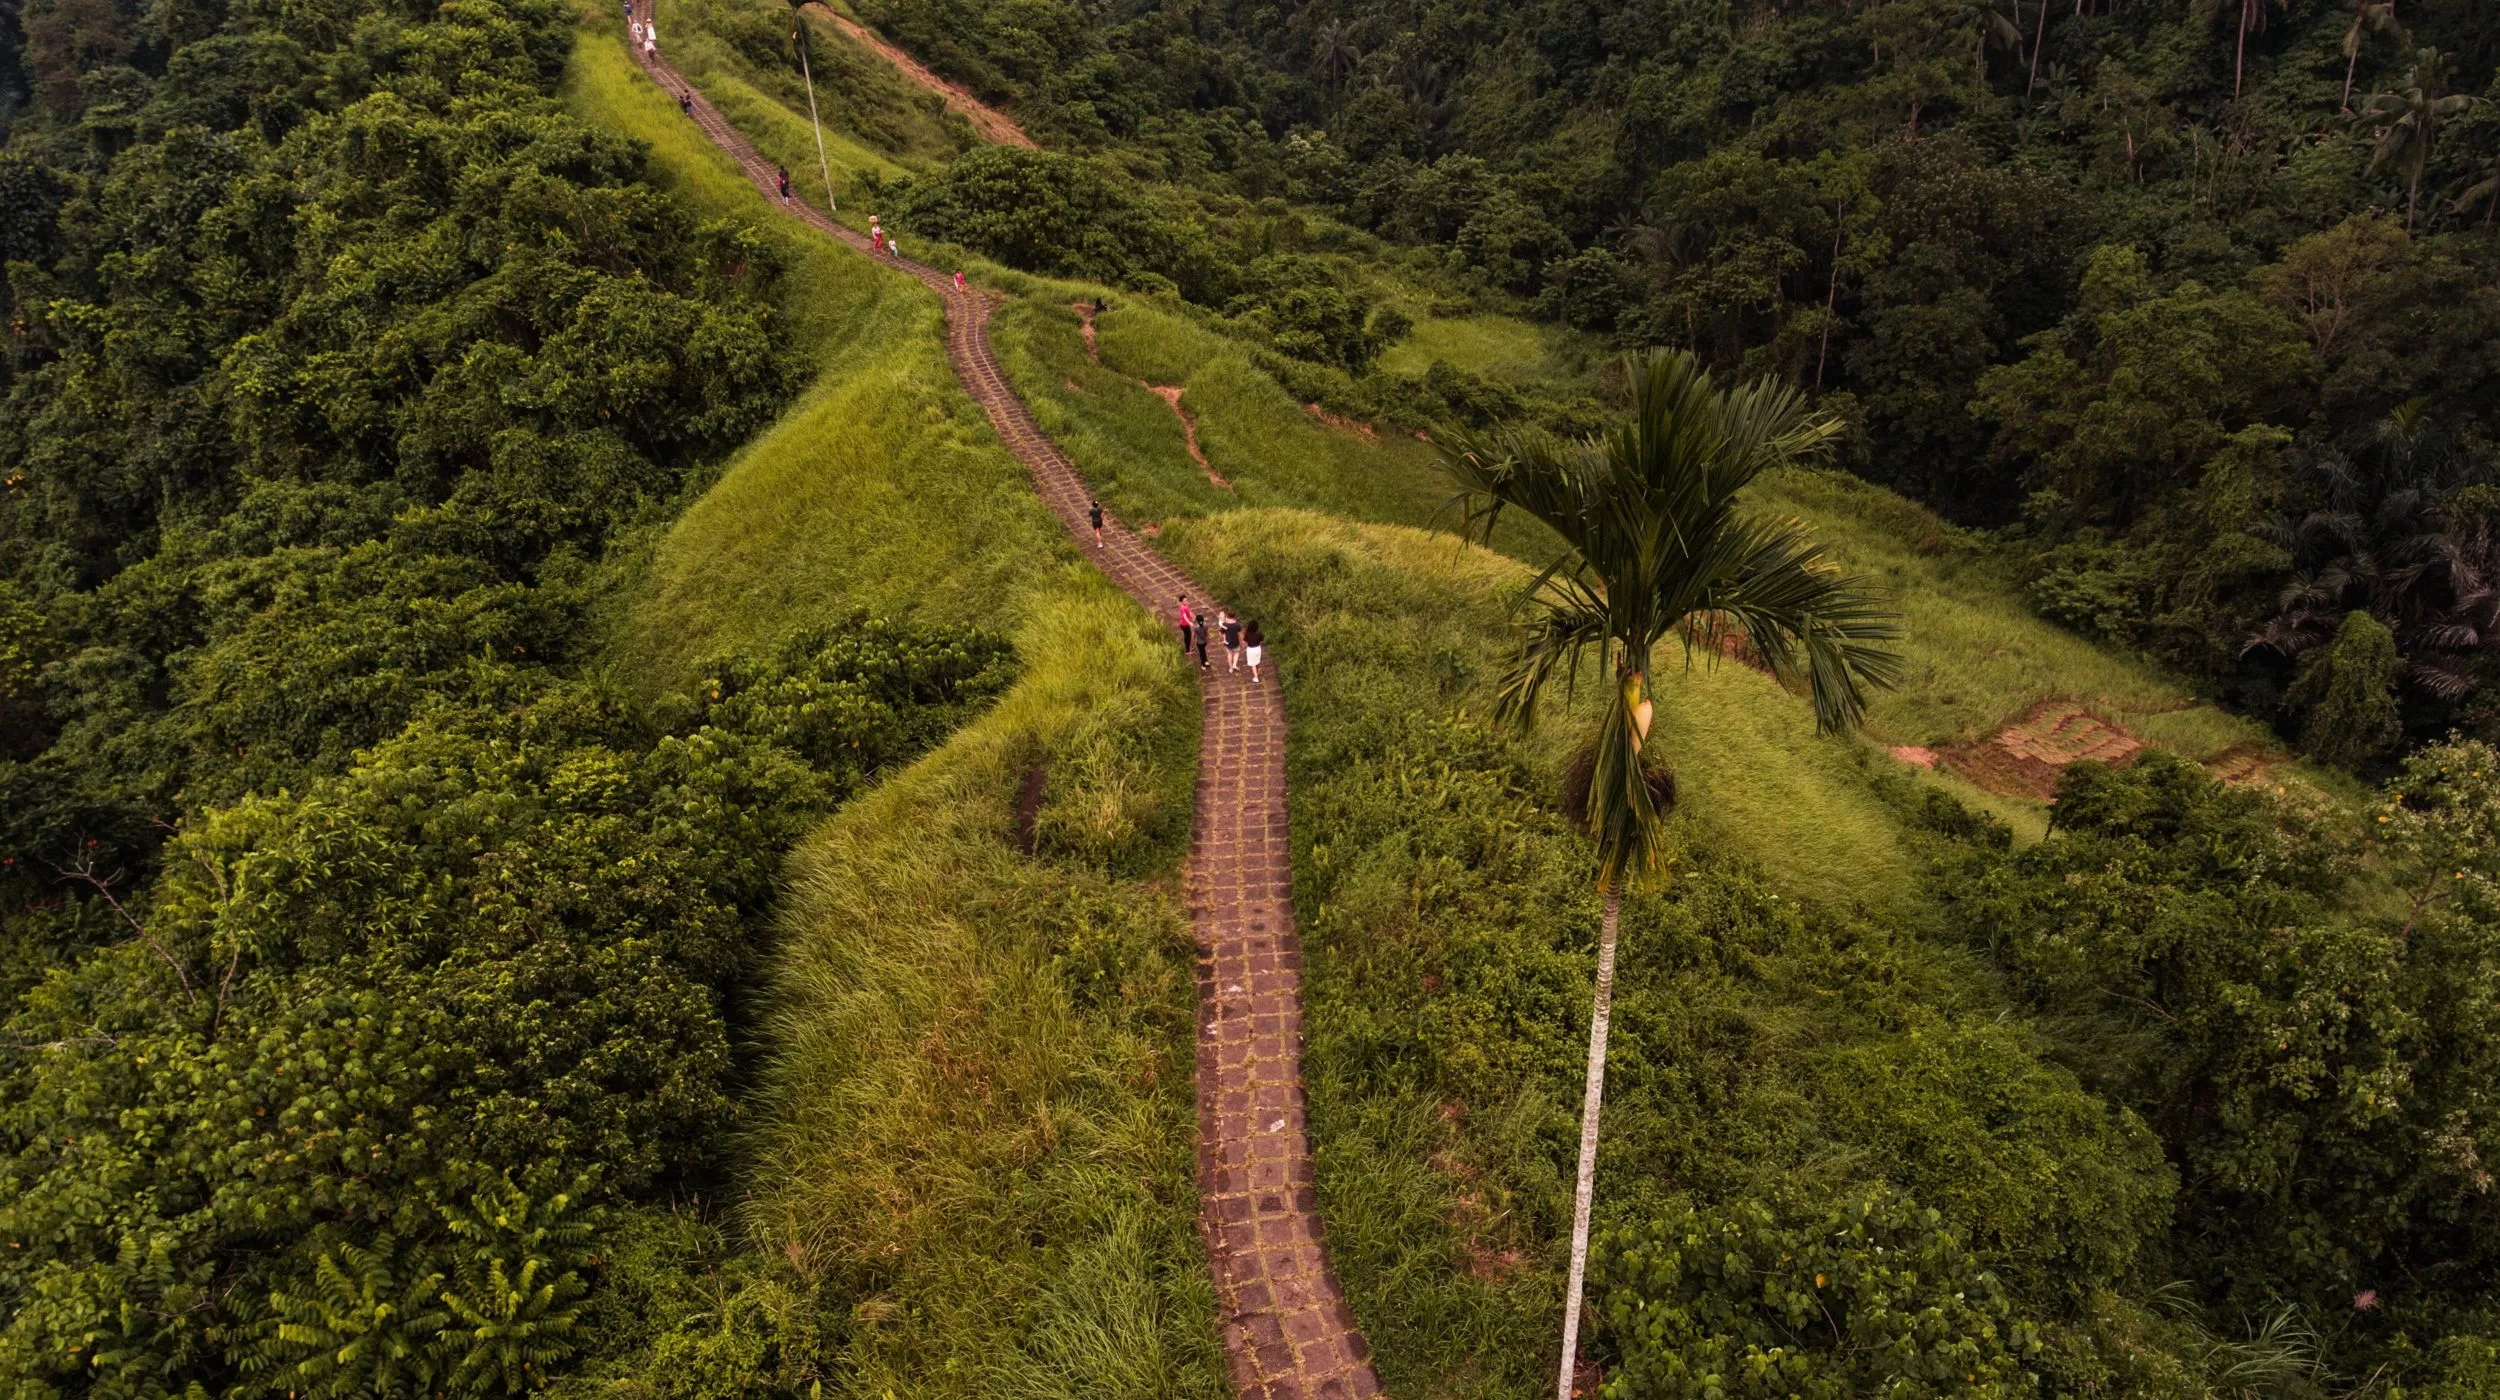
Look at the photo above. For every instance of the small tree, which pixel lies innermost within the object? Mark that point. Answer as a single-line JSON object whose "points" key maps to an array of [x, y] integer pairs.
{"points": [[2350, 689]]}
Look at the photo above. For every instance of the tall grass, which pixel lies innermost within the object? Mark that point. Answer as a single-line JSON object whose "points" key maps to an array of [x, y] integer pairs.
{"points": [[978, 1118], [1498, 347], [882, 486], [969, 1167]]}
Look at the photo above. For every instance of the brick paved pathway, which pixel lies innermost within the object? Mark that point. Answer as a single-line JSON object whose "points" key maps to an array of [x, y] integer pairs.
{"points": [[1287, 1331]]}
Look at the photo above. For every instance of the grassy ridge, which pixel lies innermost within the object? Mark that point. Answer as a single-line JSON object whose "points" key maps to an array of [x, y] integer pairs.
{"points": [[881, 487], [978, 1120], [969, 1162]]}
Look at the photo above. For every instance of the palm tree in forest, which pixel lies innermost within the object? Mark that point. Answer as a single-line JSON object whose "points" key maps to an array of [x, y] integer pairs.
{"points": [[799, 40], [1656, 547], [2253, 15], [2408, 118], [1336, 55], [2367, 16]]}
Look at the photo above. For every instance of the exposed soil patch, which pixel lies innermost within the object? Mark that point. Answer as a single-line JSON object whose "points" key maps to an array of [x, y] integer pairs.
{"points": [[1915, 755], [995, 126], [2244, 765], [1169, 393], [2025, 758], [1029, 808], [1342, 423]]}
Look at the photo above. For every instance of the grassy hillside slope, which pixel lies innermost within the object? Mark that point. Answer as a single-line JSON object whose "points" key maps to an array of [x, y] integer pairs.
{"points": [[1788, 1023], [970, 1169], [881, 487]]}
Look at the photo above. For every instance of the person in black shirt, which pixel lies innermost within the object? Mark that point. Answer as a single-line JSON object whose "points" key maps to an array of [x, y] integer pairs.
{"points": [[1230, 627], [1093, 512]]}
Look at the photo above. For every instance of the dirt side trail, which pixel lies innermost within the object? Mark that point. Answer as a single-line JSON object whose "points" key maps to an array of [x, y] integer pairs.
{"points": [[995, 126]]}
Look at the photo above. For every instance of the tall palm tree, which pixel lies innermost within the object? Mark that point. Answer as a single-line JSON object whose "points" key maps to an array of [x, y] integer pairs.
{"points": [[799, 40], [2408, 118], [2367, 16], [1656, 547]]}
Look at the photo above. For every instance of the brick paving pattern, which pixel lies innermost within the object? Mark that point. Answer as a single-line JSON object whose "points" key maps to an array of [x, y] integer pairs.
{"points": [[1288, 1334]]}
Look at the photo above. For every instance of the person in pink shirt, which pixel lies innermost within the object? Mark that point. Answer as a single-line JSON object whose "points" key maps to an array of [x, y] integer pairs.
{"points": [[959, 281], [1189, 623]]}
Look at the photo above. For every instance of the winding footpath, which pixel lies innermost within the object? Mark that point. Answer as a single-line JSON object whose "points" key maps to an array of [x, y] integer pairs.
{"points": [[1288, 1334]]}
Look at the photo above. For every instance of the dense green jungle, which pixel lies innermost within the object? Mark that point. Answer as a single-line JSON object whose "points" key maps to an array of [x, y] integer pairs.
{"points": [[524, 679]]}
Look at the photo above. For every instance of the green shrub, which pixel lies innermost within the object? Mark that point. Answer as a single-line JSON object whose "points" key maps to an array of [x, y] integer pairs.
{"points": [[1868, 1297], [1054, 214], [2349, 690], [2310, 1059], [504, 943]]}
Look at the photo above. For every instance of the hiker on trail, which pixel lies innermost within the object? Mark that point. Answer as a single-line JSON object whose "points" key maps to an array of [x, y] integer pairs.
{"points": [[1256, 643], [1203, 630], [785, 182], [1230, 627], [651, 39], [1093, 512], [1189, 621], [685, 102], [633, 24], [959, 281], [893, 249]]}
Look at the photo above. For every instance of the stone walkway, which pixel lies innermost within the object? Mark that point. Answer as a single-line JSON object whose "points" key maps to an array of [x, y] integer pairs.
{"points": [[1288, 1334]]}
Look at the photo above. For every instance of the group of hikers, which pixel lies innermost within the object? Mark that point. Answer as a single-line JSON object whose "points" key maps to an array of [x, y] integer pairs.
{"points": [[1243, 642]]}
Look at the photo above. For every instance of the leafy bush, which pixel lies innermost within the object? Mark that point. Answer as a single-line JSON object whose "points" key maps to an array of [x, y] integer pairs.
{"points": [[502, 946], [2312, 1062], [2349, 690], [1054, 214], [1871, 1296]]}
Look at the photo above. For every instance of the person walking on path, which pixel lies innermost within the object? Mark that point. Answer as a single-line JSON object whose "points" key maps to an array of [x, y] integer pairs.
{"points": [[635, 25], [651, 49], [1189, 622], [1203, 630], [1230, 627], [785, 182], [876, 234], [1093, 512], [685, 102], [959, 281], [1255, 643]]}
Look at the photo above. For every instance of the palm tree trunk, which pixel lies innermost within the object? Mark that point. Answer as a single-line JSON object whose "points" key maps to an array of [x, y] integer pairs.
{"points": [[2239, 60], [2037, 39], [2350, 64], [1601, 1016], [823, 166]]}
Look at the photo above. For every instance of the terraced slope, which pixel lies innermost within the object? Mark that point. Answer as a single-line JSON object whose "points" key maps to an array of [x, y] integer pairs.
{"points": [[1287, 1330]]}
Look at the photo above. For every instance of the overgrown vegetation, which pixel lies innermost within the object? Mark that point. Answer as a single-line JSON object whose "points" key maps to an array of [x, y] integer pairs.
{"points": [[2200, 298], [377, 967]]}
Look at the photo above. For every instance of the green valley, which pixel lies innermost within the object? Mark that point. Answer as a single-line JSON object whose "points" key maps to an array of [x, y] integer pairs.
{"points": [[582, 813]]}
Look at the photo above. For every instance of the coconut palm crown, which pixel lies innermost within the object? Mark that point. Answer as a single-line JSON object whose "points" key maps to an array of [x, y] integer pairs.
{"points": [[1657, 548]]}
